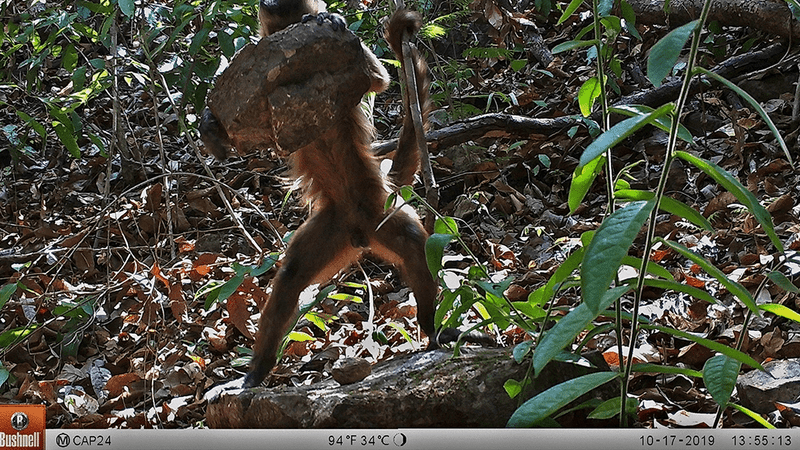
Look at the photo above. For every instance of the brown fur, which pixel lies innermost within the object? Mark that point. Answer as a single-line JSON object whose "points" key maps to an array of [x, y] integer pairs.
{"points": [[348, 192]]}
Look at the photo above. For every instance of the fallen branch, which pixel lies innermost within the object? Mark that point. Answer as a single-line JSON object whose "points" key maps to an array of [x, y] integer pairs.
{"points": [[522, 127], [773, 17]]}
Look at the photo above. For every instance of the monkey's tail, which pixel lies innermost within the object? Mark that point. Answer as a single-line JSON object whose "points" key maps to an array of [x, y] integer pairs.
{"points": [[406, 160]]}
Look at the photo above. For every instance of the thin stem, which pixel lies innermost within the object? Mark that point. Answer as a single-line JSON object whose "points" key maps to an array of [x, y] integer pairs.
{"points": [[662, 182]]}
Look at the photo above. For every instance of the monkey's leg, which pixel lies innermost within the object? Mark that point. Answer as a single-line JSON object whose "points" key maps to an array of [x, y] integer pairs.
{"points": [[318, 250], [401, 241]]}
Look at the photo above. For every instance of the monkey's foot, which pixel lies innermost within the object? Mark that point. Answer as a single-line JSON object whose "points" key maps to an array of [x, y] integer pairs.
{"points": [[337, 22], [450, 335]]}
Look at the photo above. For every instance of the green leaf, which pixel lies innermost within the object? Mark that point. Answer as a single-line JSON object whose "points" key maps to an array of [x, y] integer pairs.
{"points": [[570, 45], [445, 225], [663, 123], [610, 408], [67, 137], [735, 288], [344, 297], [567, 329], [665, 52], [620, 131], [434, 251], [551, 400], [653, 268], [587, 95], [15, 335], [608, 247], [753, 415], [6, 292], [604, 7], [708, 343], [4, 374], [719, 376], [669, 205], [127, 7], [512, 387], [644, 368], [783, 282], [733, 185], [521, 349], [582, 180], [749, 99], [780, 310], [299, 336], [573, 5], [200, 39], [69, 60], [680, 287]]}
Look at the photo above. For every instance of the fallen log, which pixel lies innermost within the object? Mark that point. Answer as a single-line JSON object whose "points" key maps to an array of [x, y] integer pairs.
{"points": [[425, 389], [773, 17]]}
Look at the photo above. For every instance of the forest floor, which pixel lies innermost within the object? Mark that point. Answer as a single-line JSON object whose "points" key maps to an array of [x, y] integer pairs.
{"points": [[118, 329]]}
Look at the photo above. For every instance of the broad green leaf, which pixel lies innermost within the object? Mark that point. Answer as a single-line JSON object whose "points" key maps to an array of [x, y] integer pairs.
{"points": [[719, 376], [604, 7], [567, 329], [610, 408], [620, 131], [522, 349], [551, 400], [708, 343], [200, 39], [780, 310], [127, 7], [229, 287], [6, 292], [582, 180], [608, 247], [299, 336], [747, 97], [70, 58], [587, 95], [735, 288], [434, 251], [669, 205], [663, 123], [445, 225], [15, 335], [512, 387], [783, 282], [733, 185], [665, 52], [570, 45]]}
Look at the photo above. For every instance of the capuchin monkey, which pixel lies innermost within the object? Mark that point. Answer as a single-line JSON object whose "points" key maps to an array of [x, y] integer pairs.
{"points": [[342, 180]]}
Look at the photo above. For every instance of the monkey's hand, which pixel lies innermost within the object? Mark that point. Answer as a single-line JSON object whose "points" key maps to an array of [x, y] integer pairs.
{"points": [[214, 135], [337, 22]]}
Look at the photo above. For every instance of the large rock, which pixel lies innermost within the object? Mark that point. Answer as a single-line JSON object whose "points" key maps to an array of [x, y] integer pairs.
{"points": [[290, 87]]}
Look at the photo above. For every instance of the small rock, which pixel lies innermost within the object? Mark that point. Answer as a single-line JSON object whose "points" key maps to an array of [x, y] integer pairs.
{"points": [[351, 370], [780, 383]]}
